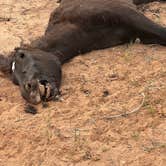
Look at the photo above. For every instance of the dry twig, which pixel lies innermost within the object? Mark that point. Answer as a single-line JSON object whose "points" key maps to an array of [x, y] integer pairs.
{"points": [[127, 113], [3, 19]]}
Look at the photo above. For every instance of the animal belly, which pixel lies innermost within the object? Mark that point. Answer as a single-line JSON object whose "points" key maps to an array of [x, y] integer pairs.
{"points": [[112, 36]]}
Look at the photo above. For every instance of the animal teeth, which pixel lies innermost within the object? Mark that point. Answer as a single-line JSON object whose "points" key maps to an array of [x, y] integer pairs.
{"points": [[42, 90], [48, 91], [38, 98]]}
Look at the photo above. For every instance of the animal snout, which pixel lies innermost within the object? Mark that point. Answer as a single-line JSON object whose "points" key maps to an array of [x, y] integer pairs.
{"points": [[31, 92], [40, 90]]}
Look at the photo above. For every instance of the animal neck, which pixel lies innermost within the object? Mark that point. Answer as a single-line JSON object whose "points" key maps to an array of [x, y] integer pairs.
{"points": [[66, 53], [65, 41]]}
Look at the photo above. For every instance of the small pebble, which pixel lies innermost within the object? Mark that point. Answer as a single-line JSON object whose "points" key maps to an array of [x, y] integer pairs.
{"points": [[105, 93]]}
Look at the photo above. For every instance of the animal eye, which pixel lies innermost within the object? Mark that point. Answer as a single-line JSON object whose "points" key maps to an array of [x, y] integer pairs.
{"points": [[22, 55]]}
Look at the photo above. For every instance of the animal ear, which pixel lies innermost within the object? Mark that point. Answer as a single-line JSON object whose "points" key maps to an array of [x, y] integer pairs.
{"points": [[16, 49], [22, 55], [5, 64]]}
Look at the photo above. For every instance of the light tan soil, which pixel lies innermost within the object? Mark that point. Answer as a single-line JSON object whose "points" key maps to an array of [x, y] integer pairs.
{"points": [[96, 85]]}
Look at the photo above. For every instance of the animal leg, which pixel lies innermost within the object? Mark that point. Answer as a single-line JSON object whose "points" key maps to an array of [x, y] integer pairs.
{"points": [[148, 31]]}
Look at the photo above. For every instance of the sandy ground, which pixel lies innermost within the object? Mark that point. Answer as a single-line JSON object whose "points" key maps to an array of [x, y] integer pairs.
{"points": [[97, 85]]}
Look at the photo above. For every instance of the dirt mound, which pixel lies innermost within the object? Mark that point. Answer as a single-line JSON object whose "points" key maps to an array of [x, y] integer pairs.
{"points": [[100, 84]]}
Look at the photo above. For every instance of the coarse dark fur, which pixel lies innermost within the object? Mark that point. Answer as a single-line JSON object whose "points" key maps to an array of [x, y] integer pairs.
{"points": [[77, 26]]}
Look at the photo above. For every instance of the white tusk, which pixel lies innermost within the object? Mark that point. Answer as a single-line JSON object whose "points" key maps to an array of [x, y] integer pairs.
{"points": [[13, 66]]}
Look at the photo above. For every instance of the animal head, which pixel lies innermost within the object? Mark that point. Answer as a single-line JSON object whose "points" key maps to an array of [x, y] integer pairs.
{"points": [[37, 73]]}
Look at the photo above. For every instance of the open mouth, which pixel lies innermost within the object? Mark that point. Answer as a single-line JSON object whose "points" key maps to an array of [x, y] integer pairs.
{"points": [[45, 90], [48, 91]]}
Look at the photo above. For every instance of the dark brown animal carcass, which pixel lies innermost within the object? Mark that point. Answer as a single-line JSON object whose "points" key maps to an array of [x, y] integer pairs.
{"points": [[77, 26]]}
